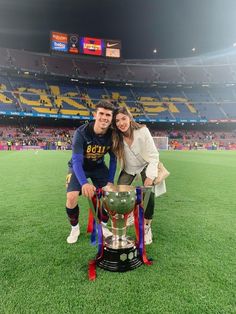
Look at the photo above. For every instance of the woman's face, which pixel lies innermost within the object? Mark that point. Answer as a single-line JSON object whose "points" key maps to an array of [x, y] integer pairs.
{"points": [[122, 122]]}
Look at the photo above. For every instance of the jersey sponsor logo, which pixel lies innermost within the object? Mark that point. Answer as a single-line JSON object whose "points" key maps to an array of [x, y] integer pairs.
{"points": [[109, 45], [96, 151], [112, 52], [59, 37], [59, 45], [92, 46]]}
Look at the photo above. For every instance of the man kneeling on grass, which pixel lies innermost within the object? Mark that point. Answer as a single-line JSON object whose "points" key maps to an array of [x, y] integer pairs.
{"points": [[91, 142]]}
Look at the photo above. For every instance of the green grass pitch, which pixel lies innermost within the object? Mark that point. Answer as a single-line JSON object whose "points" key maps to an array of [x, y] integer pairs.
{"points": [[194, 248]]}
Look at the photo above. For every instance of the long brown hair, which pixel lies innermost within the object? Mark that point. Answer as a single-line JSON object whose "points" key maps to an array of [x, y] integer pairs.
{"points": [[117, 136]]}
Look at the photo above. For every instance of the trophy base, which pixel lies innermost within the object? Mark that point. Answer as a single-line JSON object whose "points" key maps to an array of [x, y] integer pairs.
{"points": [[114, 242], [120, 260]]}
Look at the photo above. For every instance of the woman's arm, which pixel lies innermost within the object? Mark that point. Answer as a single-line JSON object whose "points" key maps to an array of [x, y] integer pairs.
{"points": [[150, 154]]}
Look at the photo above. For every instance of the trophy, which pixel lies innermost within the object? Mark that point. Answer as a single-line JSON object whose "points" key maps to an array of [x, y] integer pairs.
{"points": [[120, 252]]}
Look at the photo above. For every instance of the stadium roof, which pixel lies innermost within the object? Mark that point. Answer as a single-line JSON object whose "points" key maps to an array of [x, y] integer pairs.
{"points": [[172, 27]]}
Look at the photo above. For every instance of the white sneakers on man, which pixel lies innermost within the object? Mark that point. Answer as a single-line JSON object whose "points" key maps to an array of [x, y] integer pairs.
{"points": [[147, 234], [74, 234], [106, 232]]}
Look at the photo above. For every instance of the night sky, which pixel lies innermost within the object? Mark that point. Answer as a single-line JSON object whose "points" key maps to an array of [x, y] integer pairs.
{"points": [[173, 27]]}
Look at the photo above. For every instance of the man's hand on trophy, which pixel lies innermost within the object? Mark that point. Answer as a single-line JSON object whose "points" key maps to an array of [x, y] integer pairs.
{"points": [[148, 182], [88, 190], [109, 186]]}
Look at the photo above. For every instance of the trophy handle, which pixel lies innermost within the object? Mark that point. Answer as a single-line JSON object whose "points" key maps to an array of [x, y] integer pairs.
{"points": [[94, 211]]}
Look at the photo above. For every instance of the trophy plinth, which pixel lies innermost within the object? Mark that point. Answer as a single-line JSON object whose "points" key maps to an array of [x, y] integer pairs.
{"points": [[120, 260]]}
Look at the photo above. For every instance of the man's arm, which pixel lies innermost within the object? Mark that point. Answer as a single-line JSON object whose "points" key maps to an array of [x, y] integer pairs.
{"points": [[77, 161], [112, 167], [87, 189]]}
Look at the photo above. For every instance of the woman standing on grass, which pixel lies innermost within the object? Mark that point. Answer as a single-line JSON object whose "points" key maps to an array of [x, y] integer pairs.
{"points": [[134, 147]]}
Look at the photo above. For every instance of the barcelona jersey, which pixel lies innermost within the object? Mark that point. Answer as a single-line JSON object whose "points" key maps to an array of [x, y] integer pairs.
{"points": [[89, 149]]}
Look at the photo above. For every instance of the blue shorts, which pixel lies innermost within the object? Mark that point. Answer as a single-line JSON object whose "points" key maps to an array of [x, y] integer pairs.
{"points": [[98, 176]]}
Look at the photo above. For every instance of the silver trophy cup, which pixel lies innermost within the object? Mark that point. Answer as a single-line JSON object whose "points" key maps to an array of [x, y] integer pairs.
{"points": [[120, 252], [119, 201]]}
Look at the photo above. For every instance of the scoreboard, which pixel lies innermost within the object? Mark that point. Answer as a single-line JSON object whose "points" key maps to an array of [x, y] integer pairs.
{"points": [[75, 44]]}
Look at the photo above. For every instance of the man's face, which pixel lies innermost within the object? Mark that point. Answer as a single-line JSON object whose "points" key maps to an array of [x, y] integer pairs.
{"points": [[103, 119]]}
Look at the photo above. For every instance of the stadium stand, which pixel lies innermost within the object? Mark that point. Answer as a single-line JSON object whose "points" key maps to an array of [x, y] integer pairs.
{"points": [[38, 136], [25, 61], [167, 103], [4, 58], [59, 66], [187, 90], [196, 70], [170, 102]]}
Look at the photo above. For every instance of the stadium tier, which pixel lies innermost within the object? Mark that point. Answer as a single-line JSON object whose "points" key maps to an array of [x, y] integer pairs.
{"points": [[163, 103], [199, 89], [218, 68]]}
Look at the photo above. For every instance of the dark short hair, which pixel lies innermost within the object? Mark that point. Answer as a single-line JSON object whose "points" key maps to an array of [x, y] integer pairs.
{"points": [[105, 105]]}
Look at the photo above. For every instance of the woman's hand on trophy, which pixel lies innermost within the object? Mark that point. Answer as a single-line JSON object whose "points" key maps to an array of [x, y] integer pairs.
{"points": [[148, 182], [88, 190]]}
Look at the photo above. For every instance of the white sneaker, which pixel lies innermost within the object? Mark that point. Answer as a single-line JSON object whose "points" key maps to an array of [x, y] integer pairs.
{"points": [[148, 234], [106, 232], [130, 219], [74, 234]]}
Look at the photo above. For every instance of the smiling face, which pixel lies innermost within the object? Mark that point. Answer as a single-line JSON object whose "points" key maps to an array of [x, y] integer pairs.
{"points": [[122, 122], [103, 118]]}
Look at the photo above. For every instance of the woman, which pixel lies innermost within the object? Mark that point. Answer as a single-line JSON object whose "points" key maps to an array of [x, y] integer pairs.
{"points": [[135, 149]]}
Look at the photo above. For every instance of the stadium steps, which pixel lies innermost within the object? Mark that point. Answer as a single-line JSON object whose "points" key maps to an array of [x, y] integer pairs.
{"points": [[31, 103], [179, 99], [4, 99], [34, 97], [116, 96], [121, 99], [63, 101], [191, 108], [135, 110], [224, 113], [158, 94], [71, 94], [172, 108], [151, 106], [158, 108], [89, 101], [75, 112], [43, 99], [45, 110], [106, 91], [55, 90], [35, 91], [2, 87], [66, 112]]}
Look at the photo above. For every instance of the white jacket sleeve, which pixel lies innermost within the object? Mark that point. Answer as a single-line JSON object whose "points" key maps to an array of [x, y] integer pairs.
{"points": [[150, 154]]}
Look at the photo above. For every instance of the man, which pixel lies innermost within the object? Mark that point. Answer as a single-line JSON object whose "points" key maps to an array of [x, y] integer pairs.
{"points": [[91, 142], [59, 145], [9, 145]]}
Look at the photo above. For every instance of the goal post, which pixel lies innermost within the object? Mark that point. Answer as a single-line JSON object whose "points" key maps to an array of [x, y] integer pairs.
{"points": [[161, 142]]}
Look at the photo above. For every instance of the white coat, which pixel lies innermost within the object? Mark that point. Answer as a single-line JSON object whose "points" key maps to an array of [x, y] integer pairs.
{"points": [[141, 153]]}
